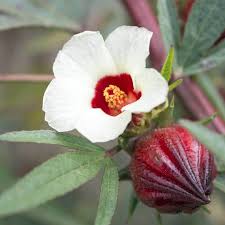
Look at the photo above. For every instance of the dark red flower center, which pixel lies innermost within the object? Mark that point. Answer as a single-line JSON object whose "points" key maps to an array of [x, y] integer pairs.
{"points": [[112, 93]]}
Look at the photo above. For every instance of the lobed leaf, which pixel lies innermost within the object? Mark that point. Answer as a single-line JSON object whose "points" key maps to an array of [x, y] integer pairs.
{"points": [[52, 179], [211, 91], [169, 25], [69, 15], [205, 24], [108, 196], [51, 137], [213, 141], [168, 65], [214, 57], [23, 13]]}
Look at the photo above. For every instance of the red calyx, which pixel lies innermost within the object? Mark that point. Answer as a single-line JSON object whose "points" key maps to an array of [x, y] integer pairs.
{"points": [[172, 171]]}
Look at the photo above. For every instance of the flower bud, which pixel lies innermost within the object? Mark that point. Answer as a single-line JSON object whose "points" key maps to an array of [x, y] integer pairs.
{"points": [[172, 171]]}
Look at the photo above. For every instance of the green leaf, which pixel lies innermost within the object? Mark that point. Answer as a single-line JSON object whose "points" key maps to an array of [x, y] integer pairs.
{"points": [[108, 196], [69, 15], [207, 120], [213, 141], [211, 91], [168, 65], [175, 84], [51, 137], [50, 214], [220, 182], [168, 21], [52, 179], [214, 57], [132, 205], [206, 210], [205, 24], [23, 13]]}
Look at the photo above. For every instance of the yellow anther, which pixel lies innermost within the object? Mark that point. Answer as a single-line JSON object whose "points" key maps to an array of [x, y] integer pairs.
{"points": [[114, 96]]}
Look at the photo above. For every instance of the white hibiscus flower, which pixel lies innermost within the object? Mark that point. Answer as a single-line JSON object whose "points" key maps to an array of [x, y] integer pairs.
{"points": [[98, 85]]}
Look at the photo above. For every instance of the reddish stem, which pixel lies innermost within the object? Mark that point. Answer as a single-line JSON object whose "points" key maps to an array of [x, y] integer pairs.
{"points": [[194, 98], [191, 94], [33, 78]]}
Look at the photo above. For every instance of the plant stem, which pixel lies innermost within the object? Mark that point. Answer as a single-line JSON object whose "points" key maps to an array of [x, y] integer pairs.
{"points": [[33, 78], [193, 97]]}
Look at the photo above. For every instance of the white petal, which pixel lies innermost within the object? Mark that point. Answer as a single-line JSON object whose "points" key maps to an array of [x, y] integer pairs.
{"points": [[64, 67], [97, 126], [154, 89], [89, 54], [129, 46], [64, 101]]}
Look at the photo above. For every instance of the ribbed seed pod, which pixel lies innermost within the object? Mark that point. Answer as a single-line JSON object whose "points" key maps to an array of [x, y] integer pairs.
{"points": [[172, 171]]}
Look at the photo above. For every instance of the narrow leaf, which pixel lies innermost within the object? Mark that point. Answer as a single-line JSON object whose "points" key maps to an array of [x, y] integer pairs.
{"points": [[169, 25], [50, 214], [175, 84], [205, 24], [213, 141], [211, 91], [168, 65], [132, 205], [108, 196], [208, 119], [51, 137], [214, 58], [206, 210], [52, 179]]}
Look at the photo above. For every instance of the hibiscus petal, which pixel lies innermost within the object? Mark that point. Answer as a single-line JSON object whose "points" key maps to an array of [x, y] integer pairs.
{"points": [[89, 55], [129, 46], [154, 90], [98, 126], [64, 101], [65, 67]]}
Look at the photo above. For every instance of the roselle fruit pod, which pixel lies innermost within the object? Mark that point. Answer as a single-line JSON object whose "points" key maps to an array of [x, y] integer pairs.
{"points": [[171, 171]]}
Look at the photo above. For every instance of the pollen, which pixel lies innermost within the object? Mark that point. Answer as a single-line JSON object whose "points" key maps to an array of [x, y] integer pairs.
{"points": [[115, 97]]}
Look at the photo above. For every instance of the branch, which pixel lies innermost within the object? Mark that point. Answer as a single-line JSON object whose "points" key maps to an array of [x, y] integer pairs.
{"points": [[33, 78], [197, 103], [193, 97]]}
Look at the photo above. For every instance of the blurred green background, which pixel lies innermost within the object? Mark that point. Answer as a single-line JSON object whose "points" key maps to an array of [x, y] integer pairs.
{"points": [[32, 50]]}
